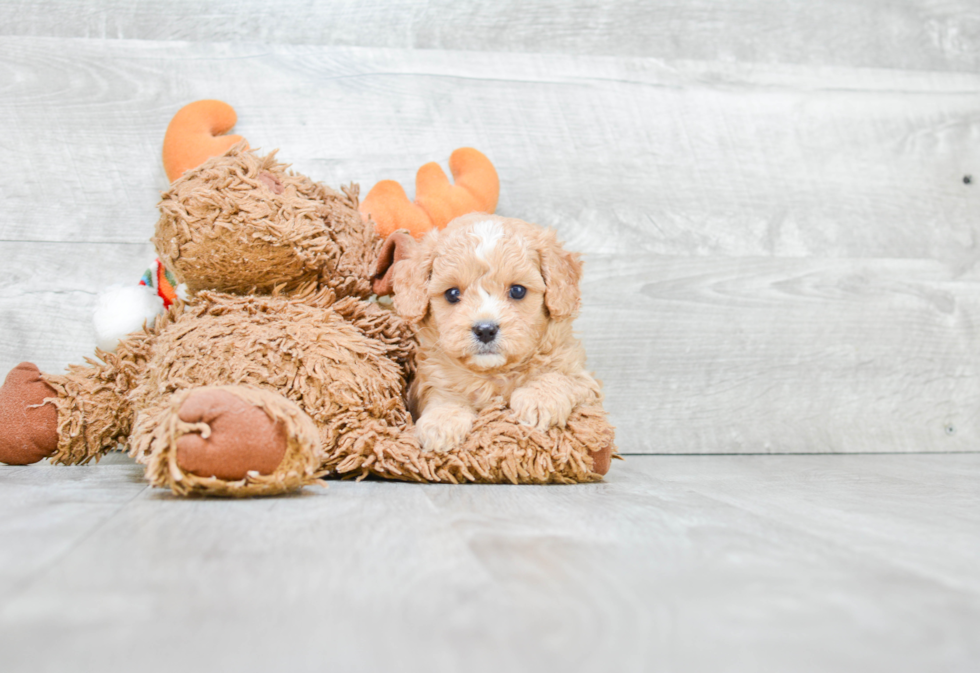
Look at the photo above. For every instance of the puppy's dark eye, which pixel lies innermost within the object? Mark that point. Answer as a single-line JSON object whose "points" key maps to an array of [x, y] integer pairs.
{"points": [[517, 291], [452, 295]]}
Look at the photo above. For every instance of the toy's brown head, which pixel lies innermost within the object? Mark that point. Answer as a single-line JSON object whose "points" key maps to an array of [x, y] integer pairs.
{"points": [[241, 222]]}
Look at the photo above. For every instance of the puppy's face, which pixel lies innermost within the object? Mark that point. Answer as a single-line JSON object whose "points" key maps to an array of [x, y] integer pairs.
{"points": [[487, 288], [486, 295]]}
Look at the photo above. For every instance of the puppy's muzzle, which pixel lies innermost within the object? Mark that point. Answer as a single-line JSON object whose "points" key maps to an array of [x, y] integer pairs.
{"points": [[486, 332]]}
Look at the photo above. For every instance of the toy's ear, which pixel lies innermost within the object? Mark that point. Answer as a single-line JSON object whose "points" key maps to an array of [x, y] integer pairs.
{"points": [[410, 280], [437, 202], [396, 247], [194, 135], [562, 272]]}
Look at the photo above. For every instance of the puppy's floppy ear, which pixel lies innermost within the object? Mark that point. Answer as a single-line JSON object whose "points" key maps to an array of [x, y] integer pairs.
{"points": [[562, 271], [397, 246], [410, 279]]}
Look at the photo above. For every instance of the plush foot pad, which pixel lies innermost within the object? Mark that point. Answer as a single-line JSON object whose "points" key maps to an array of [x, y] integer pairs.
{"points": [[28, 427], [238, 438], [602, 459]]}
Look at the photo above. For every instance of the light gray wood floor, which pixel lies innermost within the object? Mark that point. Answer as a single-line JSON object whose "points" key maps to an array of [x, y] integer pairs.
{"points": [[676, 563]]}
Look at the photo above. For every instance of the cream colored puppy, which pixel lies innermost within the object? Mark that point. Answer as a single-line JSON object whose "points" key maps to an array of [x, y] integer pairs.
{"points": [[494, 299]]}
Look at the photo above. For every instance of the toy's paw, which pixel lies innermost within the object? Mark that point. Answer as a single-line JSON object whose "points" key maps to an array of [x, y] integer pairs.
{"points": [[442, 429], [539, 410], [28, 427], [602, 459], [235, 437]]}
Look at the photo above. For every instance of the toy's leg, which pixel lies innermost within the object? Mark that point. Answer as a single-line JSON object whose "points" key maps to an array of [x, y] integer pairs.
{"points": [[94, 413], [602, 459], [88, 405], [382, 447], [228, 440], [497, 450], [28, 425]]}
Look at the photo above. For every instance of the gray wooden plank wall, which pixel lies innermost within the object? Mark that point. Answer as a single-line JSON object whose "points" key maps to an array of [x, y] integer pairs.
{"points": [[909, 34], [781, 248]]}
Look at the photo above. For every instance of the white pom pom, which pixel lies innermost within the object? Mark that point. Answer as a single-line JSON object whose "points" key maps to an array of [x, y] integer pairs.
{"points": [[121, 309]]}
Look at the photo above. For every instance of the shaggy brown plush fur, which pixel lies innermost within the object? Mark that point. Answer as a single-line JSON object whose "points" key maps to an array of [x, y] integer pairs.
{"points": [[498, 450], [282, 267], [244, 223]]}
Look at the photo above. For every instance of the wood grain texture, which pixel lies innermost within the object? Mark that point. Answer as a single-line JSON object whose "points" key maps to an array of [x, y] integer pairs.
{"points": [[45, 519], [48, 292], [698, 355], [735, 563], [782, 256], [710, 355], [911, 34], [620, 154]]}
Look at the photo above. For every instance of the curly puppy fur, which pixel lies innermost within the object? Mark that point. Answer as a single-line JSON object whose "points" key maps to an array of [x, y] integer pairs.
{"points": [[494, 299]]}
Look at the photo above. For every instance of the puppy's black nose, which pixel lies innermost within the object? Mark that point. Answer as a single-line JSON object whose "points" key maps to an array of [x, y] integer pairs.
{"points": [[485, 331]]}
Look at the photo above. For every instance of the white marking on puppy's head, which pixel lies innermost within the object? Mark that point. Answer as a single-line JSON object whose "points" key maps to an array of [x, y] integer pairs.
{"points": [[487, 232], [490, 306]]}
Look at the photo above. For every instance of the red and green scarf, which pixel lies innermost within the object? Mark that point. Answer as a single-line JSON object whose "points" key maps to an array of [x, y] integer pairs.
{"points": [[158, 278]]}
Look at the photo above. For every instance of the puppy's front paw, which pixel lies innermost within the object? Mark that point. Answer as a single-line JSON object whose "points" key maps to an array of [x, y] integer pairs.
{"points": [[539, 410], [442, 429]]}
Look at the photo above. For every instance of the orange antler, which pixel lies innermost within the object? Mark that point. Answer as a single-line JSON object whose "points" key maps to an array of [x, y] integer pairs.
{"points": [[194, 136], [436, 200]]}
